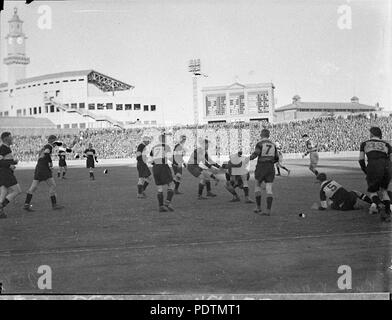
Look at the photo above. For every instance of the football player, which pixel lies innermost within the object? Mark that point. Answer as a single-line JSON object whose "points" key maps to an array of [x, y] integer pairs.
{"points": [[378, 171], [91, 158], [279, 164], [338, 197], [267, 155], [9, 187], [200, 166], [142, 168], [43, 173], [162, 174], [62, 154], [178, 163], [237, 176], [312, 150]]}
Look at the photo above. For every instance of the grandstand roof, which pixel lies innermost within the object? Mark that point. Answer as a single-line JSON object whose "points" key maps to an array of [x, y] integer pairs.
{"points": [[105, 83], [25, 122], [327, 105]]}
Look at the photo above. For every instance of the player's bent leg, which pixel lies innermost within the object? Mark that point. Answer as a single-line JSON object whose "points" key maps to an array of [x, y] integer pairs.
{"points": [[363, 197], [3, 194], [258, 197], [29, 195], [269, 199], [169, 197], [386, 214], [229, 187], [52, 194], [162, 207], [202, 183], [140, 189], [13, 192], [177, 181]]}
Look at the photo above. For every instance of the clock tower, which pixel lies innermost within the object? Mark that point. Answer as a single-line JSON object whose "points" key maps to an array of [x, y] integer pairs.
{"points": [[16, 59]]}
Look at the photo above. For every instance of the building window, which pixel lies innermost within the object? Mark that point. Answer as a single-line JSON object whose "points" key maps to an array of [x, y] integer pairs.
{"points": [[66, 126], [74, 105], [65, 80], [35, 110], [73, 80], [128, 107], [30, 111], [91, 106], [81, 105], [153, 107], [153, 122], [1, 114], [145, 107], [59, 126], [82, 125], [146, 122], [46, 109], [51, 82], [119, 107], [74, 125], [39, 110], [109, 106], [52, 108], [57, 93], [81, 79], [136, 107], [99, 106], [24, 112], [6, 114]]}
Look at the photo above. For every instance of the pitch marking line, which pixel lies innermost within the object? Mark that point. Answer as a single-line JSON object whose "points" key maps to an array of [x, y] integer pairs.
{"points": [[190, 244]]}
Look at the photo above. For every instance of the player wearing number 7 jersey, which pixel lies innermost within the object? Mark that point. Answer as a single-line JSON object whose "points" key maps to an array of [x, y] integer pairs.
{"points": [[378, 170], [267, 155]]}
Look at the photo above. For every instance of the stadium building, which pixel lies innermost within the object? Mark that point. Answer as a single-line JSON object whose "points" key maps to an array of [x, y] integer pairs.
{"points": [[299, 110], [239, 103], [72, 99]]}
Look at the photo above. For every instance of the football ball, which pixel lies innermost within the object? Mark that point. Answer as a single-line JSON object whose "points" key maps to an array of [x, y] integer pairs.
{"points": [[106, 171]]}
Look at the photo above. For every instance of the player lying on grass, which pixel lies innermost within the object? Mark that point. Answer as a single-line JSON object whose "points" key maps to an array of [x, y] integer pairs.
{"points": [[337, 196], [9, 187], [200, 165], [237, 176]]}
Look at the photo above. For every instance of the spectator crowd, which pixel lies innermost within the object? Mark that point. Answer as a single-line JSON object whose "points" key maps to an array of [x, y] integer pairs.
{"points": [[331, 134]]}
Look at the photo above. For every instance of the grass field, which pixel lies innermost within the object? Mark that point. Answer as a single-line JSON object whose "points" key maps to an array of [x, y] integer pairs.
{"points": [[107, 241]]}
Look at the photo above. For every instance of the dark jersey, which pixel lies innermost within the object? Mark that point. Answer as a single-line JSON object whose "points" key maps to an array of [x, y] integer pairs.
{"points": [[178, 155], [265, 151], [45, 157], [376, 149], [140, 148], [90, 154], [62, 154], [6, 157], [160, 154]]}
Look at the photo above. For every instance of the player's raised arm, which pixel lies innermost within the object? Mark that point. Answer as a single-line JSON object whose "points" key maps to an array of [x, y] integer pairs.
{"points": [[361, 160]]}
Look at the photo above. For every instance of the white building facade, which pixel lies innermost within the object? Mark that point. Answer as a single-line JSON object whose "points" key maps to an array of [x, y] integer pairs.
{"points": [[74, 99], [239, 103]]}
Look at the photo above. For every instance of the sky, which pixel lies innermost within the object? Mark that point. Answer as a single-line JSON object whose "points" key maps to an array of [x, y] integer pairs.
{"points": [[296, 44]]}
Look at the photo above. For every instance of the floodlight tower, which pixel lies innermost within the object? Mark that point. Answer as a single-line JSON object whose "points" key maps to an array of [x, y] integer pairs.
{"points": [[194, 67]]}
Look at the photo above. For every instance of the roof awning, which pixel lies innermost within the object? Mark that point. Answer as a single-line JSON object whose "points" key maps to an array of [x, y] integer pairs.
{"points": [[107, 84]]}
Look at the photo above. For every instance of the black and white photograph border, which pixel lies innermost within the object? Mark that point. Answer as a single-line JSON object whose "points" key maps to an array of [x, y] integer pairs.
{"points": [[200, 150]]}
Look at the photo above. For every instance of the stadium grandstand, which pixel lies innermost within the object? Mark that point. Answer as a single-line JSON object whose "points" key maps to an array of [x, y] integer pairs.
{"points": [[299, 110], [71, 99]]}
